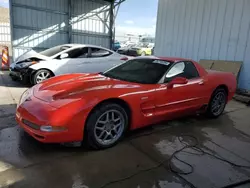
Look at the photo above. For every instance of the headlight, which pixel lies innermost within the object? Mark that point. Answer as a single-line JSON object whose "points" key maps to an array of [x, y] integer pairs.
{"points": [[26, 64], [26, 94], [48, 128]]}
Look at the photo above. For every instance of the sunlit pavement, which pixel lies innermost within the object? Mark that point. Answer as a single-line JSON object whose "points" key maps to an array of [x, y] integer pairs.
{"points": [[140, 160]]}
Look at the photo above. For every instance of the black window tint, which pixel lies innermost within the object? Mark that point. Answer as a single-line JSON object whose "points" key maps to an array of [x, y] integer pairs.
{"points": [[190, 70], [98, 52], [78, 53], [54, 50], [182, 69], [145, 71]]}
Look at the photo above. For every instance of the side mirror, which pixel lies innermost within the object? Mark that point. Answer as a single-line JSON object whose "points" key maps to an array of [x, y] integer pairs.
{"points": [[177, 81], [64, 55]]}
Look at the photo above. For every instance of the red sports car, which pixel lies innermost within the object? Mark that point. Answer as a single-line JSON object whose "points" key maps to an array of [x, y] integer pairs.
{"points": [[100, 107]]}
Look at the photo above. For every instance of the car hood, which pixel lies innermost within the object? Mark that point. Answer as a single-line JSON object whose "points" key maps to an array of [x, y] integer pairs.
{"points": [[31, 54], [76, 86]]}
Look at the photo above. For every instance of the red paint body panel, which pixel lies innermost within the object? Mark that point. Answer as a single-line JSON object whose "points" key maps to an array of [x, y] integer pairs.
{"points": [[67, 101]]}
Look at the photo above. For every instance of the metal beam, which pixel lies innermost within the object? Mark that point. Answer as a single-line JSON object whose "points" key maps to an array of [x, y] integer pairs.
{"points": [[69, 21], [11, 28], [38, 9], [90, 34], [111, 24], [41, 30]]}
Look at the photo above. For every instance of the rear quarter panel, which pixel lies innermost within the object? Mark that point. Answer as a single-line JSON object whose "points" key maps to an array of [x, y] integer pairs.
{"points": [[217, 78]]}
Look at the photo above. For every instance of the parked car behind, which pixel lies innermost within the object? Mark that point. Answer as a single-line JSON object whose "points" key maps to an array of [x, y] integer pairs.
{"points": [[136, 50], [126, 50], [143, 49], [116, 46], [35, 67]]}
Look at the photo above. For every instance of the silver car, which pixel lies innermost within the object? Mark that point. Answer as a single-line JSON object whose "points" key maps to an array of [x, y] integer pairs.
{"points": [[68, 58]]}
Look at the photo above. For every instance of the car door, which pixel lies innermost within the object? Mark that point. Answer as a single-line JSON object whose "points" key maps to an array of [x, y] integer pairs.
{"points": [[102, 59], [180, 99], [76, 60]]}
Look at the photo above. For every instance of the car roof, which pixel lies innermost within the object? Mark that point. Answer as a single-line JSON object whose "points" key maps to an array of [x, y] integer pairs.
{"points": [[170, 59], [84, 45]]}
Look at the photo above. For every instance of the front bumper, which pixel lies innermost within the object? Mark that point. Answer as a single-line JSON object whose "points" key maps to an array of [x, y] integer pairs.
{"points": [[45, 137], [21, 74], [31, 119]]}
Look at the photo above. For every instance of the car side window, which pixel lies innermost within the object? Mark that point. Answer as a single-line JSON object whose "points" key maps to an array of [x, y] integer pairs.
{"points": [[78, 53], [182, 69], [98, 52]]}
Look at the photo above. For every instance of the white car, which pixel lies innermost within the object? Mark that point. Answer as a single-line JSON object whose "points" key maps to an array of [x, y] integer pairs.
{"points": [[68, 58]]}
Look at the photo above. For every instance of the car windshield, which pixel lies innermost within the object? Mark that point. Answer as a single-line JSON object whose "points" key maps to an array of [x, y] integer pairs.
{"points": [[144, 71], [55, 50]]}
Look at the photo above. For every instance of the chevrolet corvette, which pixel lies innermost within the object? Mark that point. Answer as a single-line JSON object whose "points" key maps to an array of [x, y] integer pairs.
{"points": [[100, 107]]}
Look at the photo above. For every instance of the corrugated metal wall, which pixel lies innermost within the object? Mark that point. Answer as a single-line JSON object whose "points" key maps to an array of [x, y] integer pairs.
{"points": [[205, 29], [90, 22], [4, 33], [42, 24], [5, 39], [38, 24]]}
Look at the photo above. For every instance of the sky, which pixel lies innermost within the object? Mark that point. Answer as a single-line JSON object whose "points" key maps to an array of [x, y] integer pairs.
{"points": [[134, 17], [137, 17], [4, 3]]}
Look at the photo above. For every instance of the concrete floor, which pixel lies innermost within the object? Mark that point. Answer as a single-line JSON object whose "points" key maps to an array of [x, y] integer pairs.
{"points": [[140, 160]]}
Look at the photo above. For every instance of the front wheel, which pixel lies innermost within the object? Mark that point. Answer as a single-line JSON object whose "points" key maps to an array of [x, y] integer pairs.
{"points": [[143, 53], [41, 75], [217, 103], [106, 126]]}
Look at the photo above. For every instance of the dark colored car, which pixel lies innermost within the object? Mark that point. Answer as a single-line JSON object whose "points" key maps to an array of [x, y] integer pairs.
{"points": [[116, 46], [129, 50]]}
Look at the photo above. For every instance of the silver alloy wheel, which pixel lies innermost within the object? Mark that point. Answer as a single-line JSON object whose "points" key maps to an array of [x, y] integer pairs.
{"points": [[218, 103], [109, 127], [42, 76]]}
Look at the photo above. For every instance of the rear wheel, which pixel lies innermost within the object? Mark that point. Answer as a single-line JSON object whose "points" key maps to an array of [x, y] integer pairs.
{"points": [[106, 126], [217, 103], [41, 75]]}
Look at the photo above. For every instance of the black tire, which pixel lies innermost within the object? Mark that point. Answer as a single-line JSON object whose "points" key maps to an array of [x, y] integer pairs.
{"points": [[35, 79], [90, 127], [213, 113]]}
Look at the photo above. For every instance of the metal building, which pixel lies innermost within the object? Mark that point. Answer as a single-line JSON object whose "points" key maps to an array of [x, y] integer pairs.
{"points": [[4, 29], [206, 29], [41, 24]]}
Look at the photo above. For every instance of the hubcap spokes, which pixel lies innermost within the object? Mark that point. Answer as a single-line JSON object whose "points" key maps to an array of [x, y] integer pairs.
{"points": [[109, 127], [42, 76], [218, 103]]}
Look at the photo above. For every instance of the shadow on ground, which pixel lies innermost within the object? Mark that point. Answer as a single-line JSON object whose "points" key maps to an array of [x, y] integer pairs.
{"points": [[8, 82]]}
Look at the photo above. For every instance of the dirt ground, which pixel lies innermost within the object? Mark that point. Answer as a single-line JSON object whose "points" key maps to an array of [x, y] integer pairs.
{"points": [[141, 160]]}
